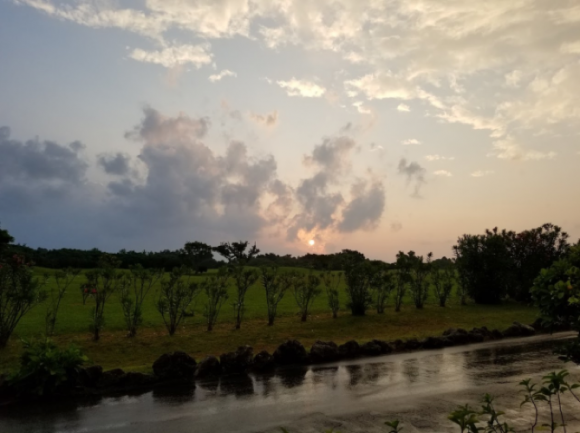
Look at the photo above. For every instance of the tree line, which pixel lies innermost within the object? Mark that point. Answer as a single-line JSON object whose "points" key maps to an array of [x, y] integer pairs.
{"points": [[487, 268]]}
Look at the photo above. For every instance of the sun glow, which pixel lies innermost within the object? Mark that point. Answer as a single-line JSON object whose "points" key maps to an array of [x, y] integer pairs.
{"points": [[311, 242]]}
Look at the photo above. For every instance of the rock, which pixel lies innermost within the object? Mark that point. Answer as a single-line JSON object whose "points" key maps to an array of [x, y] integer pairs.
{"points": [[398, 345], [412, 344], [349, 350], [433, 343], [132, 380], [290, 352], [475, 337], [385, 347], [324, 351], [457, 336], [208, 367], [89, 376], [371, 349], [263, 362], [496, 334], [111, 378], [237, 362], [519, 330], [483, 331], [454, 331], [175, 367]]}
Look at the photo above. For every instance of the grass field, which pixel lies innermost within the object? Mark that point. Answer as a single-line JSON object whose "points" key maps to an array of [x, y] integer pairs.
{"points": [[116, 350]]}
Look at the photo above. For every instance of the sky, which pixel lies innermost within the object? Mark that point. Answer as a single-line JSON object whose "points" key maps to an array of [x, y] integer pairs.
{"points": [[371, 125]]}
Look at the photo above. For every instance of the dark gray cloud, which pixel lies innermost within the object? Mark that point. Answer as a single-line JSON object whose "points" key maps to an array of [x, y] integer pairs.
{"points": [[184, 190], [331, 155], [415, 174], [322, 206], [365, 209], [35, 160], [117, 164]]}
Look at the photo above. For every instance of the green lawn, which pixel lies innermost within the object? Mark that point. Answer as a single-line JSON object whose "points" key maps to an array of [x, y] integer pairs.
{"points": [[116, 350]]}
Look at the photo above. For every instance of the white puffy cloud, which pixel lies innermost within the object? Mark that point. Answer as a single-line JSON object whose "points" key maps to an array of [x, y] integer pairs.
{"points": [[410, 141], [225, 73], [197, 55], [481, 173], [439, 158], [404, 108], [443, 173], [304, 88]]}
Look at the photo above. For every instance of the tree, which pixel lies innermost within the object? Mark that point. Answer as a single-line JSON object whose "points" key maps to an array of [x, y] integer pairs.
{"points": [[443, 278], [244, 279], [196, 255], [216, 290], [63, 279], [382, 284], [357, 276], [418, 273], [103, 282], [402, 279], [238, 255], [306, 289], [176, 295], [556, 292], [275, 285], [5, 240], [19, 293], [530, 251], [331, 282], [133, 292], [484, 265]]}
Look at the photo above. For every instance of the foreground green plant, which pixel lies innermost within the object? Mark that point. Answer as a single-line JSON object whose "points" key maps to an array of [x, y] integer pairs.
{"points": [[305, 288], [44, 368], [487, 419], [331, 282]]}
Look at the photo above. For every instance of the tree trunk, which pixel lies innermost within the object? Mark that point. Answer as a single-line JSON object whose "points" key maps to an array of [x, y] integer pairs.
{"points": [[304, 316], [442, 302], [96, 335], [334, 315], [270, 321], [209, 327]]}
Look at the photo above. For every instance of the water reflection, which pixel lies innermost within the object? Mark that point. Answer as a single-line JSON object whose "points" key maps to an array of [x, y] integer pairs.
{"points": [[292, 377], [239, 385], [254, 403], [173, 396], [411, 370]]}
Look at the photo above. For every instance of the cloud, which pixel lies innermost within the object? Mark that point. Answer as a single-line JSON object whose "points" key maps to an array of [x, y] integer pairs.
{"points": [[225, 73], [439, 158], [509, 148], [321, 205], [404, 108], [410, 141], [197, 55], [270, 119], [306, 89], [444, 173], [117, 164], [481, 173], [375, 147], [415, 174], [184, 188], [396, 227], [365, 209]]}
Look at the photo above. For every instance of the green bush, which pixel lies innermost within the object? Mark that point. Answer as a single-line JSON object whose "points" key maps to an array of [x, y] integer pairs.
{"points": [[44, 368]]}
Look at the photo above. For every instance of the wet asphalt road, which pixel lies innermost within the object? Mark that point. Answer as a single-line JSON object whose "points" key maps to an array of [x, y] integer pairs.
{"points": [[258, 403]]}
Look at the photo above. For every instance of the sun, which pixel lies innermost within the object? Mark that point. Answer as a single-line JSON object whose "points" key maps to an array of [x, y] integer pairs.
{"points": [[311, 242]]}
